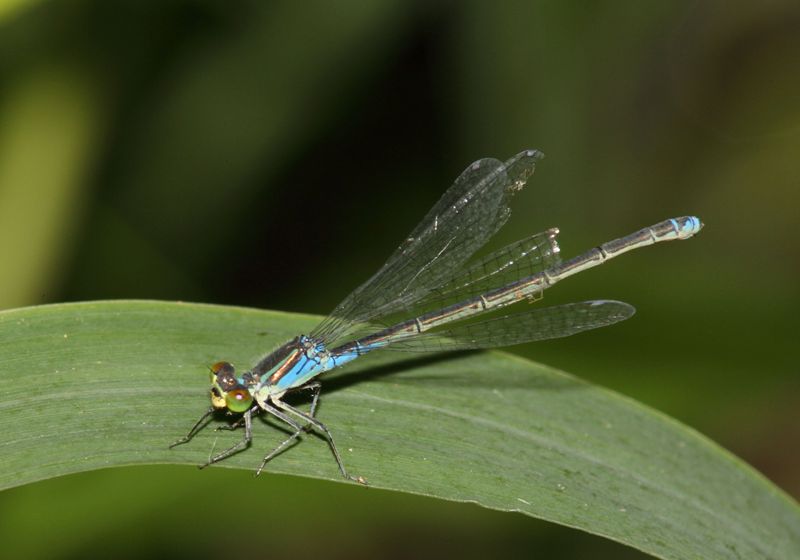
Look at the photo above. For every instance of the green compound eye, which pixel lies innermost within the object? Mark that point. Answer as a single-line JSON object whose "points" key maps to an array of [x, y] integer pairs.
{"points": [[238, 400]]}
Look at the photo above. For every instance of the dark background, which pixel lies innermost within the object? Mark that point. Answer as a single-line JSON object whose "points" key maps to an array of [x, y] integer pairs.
{"points": [[272, 154]]}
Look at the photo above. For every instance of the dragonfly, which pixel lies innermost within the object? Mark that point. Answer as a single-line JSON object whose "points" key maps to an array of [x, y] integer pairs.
{"points": [[426, 297]]}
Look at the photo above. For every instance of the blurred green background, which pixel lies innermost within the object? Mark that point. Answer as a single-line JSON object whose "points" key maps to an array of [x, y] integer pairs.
{"points": [[272, 154]]}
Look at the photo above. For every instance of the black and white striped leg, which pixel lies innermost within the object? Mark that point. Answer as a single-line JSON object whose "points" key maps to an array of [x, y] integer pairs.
{"points": [[324, 431], [298, 429], [315, 387]]}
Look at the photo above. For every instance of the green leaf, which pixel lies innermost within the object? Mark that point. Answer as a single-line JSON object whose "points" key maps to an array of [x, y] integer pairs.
{"points": [[93, 385]]}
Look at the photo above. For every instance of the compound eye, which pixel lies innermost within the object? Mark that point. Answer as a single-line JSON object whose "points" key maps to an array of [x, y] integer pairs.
{"points": [[238, 400], [222, 367], [221, 371]]}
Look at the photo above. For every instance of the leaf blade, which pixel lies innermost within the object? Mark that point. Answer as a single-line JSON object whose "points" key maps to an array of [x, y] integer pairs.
{"points": [[101, 384]]}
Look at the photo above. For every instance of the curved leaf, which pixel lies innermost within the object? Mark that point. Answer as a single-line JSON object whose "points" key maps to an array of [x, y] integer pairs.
{"points": [[101, 384]]}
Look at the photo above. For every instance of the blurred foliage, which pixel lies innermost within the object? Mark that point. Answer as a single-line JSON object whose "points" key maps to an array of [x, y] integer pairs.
{"points": [[272, 154]]}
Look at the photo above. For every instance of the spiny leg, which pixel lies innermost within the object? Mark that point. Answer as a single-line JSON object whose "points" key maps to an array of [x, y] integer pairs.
{"points": [[315, 387], [324, 430], [240, 445], [298, 429], [199, 425], [236, 425]]}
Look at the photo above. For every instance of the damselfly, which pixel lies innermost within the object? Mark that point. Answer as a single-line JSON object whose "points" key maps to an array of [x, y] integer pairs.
{"points": [[423, 298]]}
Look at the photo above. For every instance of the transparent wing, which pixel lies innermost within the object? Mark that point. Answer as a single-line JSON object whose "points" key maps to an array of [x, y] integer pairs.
{"points": [[539, 324], [467, 215], [523, 258]]}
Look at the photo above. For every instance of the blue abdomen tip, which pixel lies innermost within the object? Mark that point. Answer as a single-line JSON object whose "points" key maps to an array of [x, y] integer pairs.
{"points": [[689, 225]]}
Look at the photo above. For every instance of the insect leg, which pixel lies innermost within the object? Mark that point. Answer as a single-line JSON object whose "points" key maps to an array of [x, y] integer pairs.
{"points": [[199, 425]]}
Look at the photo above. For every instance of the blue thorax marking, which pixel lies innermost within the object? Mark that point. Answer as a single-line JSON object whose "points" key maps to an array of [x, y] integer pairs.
{"points": [[304, 359], [300, 360]]}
